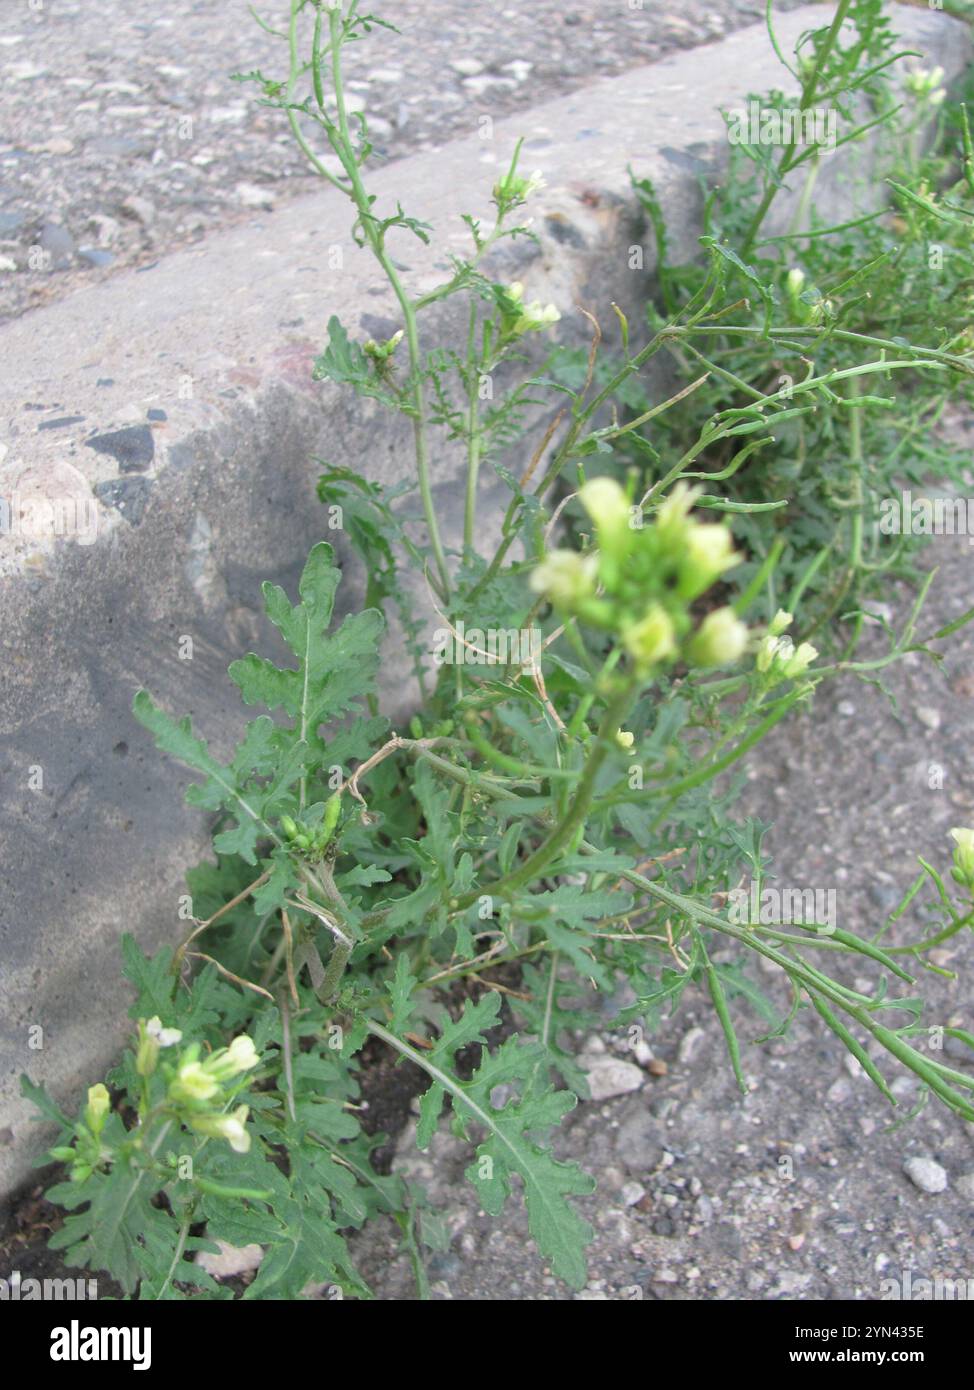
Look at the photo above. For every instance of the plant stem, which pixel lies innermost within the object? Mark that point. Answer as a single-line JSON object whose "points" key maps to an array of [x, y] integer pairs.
{"points": [[787, 159], [178, 1253], [342, 143], [574, 818], [473, 435]]}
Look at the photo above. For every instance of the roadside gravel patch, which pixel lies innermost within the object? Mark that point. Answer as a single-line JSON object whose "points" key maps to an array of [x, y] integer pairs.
{"points": [[142, 143]]}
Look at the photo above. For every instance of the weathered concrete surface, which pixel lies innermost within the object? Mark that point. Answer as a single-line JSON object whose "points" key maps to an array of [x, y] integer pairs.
{"points": [[182, 396]]}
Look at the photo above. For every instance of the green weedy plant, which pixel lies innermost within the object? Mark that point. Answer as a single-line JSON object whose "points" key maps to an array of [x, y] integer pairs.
{"points": [[555, 812], [891, 281]]}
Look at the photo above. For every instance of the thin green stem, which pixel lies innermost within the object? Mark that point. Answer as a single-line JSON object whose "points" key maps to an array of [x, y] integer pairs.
{"points": [[788, 158], [574, 819], [473, 435], [342, 143]]}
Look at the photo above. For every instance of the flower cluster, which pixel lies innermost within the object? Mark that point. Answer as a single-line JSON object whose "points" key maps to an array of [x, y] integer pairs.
{"points": [[313, 833], [805, 305], [195, 1088], [643, 578], [778, 659], [86, 1152], [196, 1080], [518, 318], [153, 1037], [925, 85], [381, 352], [514, 189]]}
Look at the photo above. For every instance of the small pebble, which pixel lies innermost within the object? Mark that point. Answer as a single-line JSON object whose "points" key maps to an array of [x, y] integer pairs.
{"points": [[690, 1045], [929, 716], [142, 209], [252, 195], [230, 1260], [58, 243], [610, 1076], [926, 1174]]}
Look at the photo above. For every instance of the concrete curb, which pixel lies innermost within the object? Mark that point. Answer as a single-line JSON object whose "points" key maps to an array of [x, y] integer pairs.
{"points": [[181, 397]]}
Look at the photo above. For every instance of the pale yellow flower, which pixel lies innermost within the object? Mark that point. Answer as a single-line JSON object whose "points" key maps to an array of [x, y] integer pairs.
{"points": [[565, 577], [230, 1127], [720, 639]]}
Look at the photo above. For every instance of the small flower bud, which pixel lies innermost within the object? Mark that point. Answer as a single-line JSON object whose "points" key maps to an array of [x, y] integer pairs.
{"points": [[767, 652], [719, 640], [147, 1052], [96, 1111], [329, 820], [672, 517], [608, 506], [625, 739], [708, 552], [565, 577], [963, 870], [779, 622]]}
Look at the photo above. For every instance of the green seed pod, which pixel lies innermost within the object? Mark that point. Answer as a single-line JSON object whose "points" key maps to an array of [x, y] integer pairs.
{"points": [[289, 827], [303, 841], [416, 726]]}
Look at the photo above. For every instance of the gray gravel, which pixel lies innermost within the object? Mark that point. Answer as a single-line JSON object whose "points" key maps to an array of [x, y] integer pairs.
{"points": [[122, 136]]}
